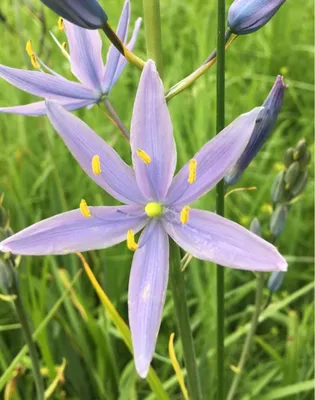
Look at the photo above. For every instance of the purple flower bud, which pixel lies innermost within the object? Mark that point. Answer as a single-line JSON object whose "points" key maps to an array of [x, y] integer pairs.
{"points": [[264, 125], [85, 13], [246, 16]]}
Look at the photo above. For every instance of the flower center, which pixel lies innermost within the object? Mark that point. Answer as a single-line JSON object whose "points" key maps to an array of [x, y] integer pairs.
{"points": [[153, 209]]}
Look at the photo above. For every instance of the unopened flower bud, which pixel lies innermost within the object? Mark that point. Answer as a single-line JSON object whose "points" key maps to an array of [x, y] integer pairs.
{"points": [[277, 189], [275, 281], [292, 173], [6, 275], [246, 16], [300, 149], [264, 125], [288, 157], [304, 160], [255, 227], [300, 184], [278, 220], [3, 217], [85, 13]]}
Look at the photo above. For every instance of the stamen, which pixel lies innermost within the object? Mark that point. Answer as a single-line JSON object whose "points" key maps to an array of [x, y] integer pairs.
{"points": [[85, 209], [34, 61], [144, 156], [31, 53], [61, 25], [65, 47], [96, 165], [131, 243], [192, 171], [29, 48], [184, 215]]}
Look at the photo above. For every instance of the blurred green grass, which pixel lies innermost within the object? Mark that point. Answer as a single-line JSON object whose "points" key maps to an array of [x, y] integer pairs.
{"points": [[40, 179]]}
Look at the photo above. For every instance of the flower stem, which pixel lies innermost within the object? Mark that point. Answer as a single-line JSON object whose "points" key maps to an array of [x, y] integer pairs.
{"points": [[118, 122], [220, 192], [130, 56], [25, 325], [152, 22], [182, 317], [250, 335]]}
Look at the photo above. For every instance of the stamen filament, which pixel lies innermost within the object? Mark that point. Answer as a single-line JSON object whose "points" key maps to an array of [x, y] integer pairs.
{"points": [[85, 209], [96, 165], [192, 171], [184, 215], [144, 156], [131, 243]]}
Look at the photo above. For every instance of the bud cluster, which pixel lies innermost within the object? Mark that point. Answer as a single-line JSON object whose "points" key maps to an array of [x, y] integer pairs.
{"points": [[289, 185]]}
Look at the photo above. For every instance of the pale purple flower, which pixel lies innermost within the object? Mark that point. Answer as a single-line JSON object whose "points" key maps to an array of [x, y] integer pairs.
{"points": [[96, 79], [155, 201]]}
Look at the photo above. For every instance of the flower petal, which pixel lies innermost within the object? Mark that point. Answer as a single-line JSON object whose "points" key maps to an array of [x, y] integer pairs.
{"points": [[39, 108], [85, 48], [147, 290], [122, 60], [113, 54], [117, 178], [210, 237], [152, 131], [213, 160], [45, 85], [71, 231]]}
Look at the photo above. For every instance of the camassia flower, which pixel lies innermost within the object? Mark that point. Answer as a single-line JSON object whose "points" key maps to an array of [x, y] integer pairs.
{"points": [[154, 201], [96, 79]]}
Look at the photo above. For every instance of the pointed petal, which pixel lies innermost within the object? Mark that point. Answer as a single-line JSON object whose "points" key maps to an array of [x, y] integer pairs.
{"points": [[117, 178], [208, 236], [85, 48], [152, 131], [71, 231], [147, 290], [213, 160], [39, 108], [45, 85], [122, 60], [113, 55]]}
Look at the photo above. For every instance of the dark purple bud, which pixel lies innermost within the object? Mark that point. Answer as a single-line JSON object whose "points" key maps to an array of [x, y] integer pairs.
{"points": [[264, 125], [246, 16], [85, 13], [275, 281]]}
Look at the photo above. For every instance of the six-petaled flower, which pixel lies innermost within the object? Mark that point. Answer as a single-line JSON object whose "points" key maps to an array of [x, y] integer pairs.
{"points": [[155, 201]]}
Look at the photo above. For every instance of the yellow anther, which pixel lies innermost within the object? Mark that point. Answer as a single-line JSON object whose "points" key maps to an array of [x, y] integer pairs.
{"points": [[96, 165], [29, 48], [61, 25], [192, 171], [34, 61], [131, 243], [85, 209], [144, 156], [184, 215], [64, 46], [153, 209]]}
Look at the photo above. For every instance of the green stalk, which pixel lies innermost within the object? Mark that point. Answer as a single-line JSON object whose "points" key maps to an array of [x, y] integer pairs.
{"points": [[25, 325], [250, 335], [220, 192], [182, 317], [152, 23]]}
